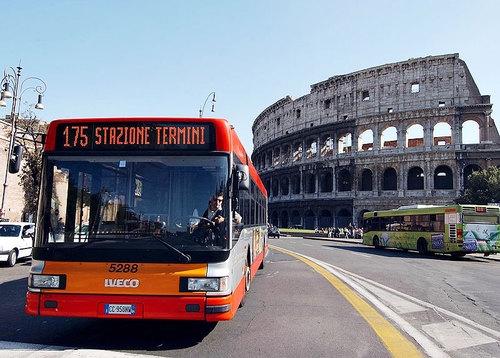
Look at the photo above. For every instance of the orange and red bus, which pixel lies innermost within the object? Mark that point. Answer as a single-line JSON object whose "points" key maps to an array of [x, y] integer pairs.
{"points": [[123, 229]]}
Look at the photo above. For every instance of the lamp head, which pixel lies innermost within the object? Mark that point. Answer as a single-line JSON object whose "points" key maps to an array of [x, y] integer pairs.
{"points": [[39, 105]]}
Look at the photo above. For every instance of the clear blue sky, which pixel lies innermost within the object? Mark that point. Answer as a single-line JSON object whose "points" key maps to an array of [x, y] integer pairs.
{"points": [[162, 58]]}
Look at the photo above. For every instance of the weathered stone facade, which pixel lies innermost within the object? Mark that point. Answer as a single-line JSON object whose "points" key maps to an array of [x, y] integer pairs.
{"points": [[375, 139]]}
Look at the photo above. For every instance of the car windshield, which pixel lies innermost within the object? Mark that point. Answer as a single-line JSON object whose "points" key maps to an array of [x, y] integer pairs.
{"points": [[9, 230], [152, 202]]}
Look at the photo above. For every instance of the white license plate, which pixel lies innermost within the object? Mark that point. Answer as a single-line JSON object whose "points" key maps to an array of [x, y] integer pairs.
{"points": [[111, 308]]}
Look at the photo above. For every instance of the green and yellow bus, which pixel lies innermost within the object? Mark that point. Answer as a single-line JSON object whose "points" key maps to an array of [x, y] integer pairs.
{"points": [[455, 229]]}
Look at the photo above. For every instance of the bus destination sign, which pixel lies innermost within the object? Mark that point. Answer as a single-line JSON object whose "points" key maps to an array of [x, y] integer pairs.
{"points": [[135, 135]]}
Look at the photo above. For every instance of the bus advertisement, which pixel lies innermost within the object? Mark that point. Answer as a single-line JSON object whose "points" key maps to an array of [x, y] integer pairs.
{"points": [[456, 229], [155, 218]]}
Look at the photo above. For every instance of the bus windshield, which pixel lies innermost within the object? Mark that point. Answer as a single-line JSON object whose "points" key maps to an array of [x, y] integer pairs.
{"points": [[133, 202]]}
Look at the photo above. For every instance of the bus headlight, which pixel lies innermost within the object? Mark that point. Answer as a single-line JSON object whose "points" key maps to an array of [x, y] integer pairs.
{"points": [[47, 281], [205, 284]]}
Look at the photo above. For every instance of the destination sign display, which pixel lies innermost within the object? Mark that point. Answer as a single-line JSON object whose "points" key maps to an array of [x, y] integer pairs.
{"points": [[135, 135]]}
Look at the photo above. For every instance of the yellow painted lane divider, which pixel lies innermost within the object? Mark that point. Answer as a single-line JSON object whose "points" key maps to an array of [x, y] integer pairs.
{"points": [[397, 344]]}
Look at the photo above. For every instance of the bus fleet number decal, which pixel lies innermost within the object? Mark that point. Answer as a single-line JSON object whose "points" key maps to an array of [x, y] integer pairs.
{"points": [[123, 268]]}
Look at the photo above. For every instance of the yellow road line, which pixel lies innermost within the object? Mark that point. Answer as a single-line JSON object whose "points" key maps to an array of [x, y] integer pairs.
{"points": [[397, 344]]}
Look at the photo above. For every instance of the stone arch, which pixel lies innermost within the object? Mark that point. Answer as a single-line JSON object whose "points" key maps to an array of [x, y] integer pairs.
{"points": [[309, 220], [443, 177], [287, 153], [365, 141], [468, 170], [310, 183], [389, 137], [415, 179], [390, 179], [415, 136], [274, 218], [295, 219], [296, 184], [284, 219], [326, 181], [344, 180], [276, 157], [366, 182], [344, 218], [284, 185], [297, 151], [471, 132], [325, 219], [326, 145], [311, 148], [345, 143], [441, 134], [275, 187]]}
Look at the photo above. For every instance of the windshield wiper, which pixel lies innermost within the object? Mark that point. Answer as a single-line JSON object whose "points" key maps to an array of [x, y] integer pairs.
{"points": [[186, 257]]}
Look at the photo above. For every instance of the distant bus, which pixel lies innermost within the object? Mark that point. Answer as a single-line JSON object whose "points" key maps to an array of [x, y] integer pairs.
{"points": [[455, 229], [124, 228]]}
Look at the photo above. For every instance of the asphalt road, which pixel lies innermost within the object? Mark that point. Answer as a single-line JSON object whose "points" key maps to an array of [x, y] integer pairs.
{"points": [[443, 306]]}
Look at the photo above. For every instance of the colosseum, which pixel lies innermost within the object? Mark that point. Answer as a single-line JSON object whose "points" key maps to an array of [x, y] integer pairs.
{"points": [[398, 134]]}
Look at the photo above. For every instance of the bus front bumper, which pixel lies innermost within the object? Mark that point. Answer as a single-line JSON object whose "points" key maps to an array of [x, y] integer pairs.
{"points": [[133, 307]]}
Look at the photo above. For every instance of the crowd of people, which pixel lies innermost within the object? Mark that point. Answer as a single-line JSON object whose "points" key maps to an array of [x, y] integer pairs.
{"points": [[349, 232]]}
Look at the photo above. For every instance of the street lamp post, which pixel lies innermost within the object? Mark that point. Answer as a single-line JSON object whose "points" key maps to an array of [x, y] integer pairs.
{"points": [[11, 78], [202, 108]]}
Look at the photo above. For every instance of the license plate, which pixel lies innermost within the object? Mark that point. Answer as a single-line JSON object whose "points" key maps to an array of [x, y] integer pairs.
{"points": [[111, 308]]}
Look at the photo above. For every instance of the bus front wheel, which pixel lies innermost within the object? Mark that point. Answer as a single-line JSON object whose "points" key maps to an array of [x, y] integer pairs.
{"points": [[422, 246]]}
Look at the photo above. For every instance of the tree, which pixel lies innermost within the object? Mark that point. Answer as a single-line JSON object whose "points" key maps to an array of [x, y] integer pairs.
{"points": [[30, 133], [484, 187]]}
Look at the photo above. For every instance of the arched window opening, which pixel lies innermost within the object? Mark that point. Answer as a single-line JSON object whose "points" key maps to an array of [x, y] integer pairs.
{"points": [[297, 152], [326, 182], [312, 149], [442, 134], [470, 132], [325, 219], [287, 154], [276, 158], [285, 183], [344, 218], [296, 184], [327, 146], [284, 219], [269, 158], [366, 180], [309, 220], [389, 138], [468, 170], [295, 220], [390, 179], [415, 136], [345, 143], [443, 177], [365, 140], [415, 179], [274, 218], [275, 186], [345, 182], [310, 184]]}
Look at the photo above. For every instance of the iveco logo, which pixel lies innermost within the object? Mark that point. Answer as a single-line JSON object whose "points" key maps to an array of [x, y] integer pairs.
{"points": [[119, 282]]}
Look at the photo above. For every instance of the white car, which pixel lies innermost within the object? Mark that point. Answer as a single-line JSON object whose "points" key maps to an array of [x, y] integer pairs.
{"points": [[16, 241]]}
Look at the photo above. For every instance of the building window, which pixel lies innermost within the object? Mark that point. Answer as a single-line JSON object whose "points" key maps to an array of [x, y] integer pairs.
{"points": [[278, 121], [327, 103], [365, 95], [298, 113], [415, 87]]}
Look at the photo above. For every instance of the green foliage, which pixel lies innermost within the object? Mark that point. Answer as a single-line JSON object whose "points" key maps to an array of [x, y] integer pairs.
{"points": [[483, 188], [30, 180]]}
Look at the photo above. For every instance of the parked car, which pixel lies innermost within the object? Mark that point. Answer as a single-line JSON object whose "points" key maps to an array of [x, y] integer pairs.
{"points": [[16, 241], [273, 231]]}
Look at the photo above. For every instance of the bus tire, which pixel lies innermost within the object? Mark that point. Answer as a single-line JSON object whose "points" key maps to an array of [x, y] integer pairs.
{"points": [[248, 276], [422, 246], [11, 261], [376, 243]]}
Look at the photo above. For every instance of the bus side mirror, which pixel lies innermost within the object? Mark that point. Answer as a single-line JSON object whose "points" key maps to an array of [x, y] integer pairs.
{"points": [[242, 175], [15, 159]]}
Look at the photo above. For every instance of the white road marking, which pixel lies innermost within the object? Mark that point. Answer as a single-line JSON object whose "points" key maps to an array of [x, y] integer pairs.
{"points": [[401, 305], [455, 335], [358, 254], [307, 245]]}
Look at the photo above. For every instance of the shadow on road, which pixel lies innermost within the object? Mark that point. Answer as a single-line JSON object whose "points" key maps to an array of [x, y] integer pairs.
{"points": [[397, 253], [115, 334]]}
